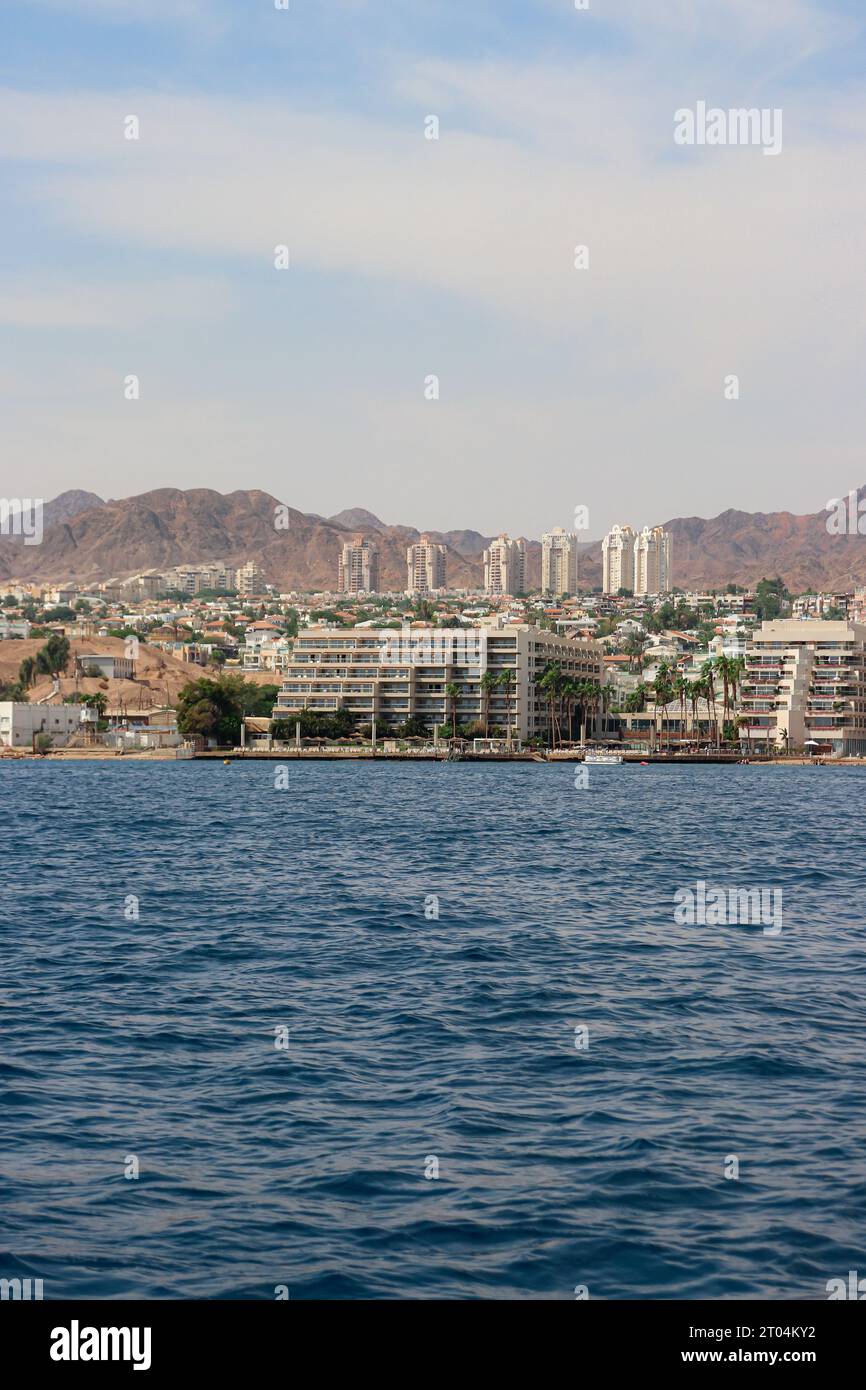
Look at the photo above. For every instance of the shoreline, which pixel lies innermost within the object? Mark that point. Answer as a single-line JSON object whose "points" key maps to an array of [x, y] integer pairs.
{"points": [[289, 755]]}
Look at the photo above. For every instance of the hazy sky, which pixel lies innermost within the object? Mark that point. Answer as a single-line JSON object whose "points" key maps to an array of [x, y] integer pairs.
{"points": [[411, 257]]}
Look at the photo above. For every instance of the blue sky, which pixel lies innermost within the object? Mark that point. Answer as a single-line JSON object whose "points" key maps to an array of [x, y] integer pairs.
{"points": [[453, 257]]}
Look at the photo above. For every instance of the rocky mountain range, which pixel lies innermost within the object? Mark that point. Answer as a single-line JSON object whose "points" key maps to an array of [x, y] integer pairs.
{"points": [[90, 540]]}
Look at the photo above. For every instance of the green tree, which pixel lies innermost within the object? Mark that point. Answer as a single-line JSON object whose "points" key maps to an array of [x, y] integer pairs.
{"points": [[54, 656], [506, 679], [27, 672], [635, 703], [708, 682], [413, 727], [550, 682], [771, 597], [99, 702], [210, 709], [664, 692], [453, 691], [488, 682]]}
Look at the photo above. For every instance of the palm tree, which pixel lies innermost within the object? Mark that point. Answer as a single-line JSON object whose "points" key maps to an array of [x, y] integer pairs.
{"points": [[551, 683], [694, 694], [605, 698], [506, 679], [723, 666], [488, 681], [570, 694], [584, 696], [663, 684], [681, 689], [596, 694], [634, 648], [736, 668], [636, 701], [452, 691], [707, 678]]}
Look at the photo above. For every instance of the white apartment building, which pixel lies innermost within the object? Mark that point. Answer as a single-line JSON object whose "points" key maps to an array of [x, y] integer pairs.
{"points": [[805, 680], [21, 723], [558, 562], [358, 570], [191, 579], [617, 553], [652, 561], [505, 566], [249, 579], [425, 567], [109, 667], [266, 647], [389, 675]]}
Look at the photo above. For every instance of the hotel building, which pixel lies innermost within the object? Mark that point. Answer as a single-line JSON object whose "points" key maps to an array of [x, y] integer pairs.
{"points": [[505, 567], [806, 680], [652, 561], [617, 553], [389, 675], [358, 571], [425, 567], [558, 562]]}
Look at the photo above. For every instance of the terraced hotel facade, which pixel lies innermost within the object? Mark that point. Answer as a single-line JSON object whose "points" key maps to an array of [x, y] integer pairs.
{"points": [[392, 675]]}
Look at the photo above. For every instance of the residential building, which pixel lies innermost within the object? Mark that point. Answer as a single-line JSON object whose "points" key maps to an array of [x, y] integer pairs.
{"points": [[266, 647], [358, 571], [249, 579], [192, 579], [425, 567], [617, 552], [110, 667], [389, 675], [558, 562], [505, 566], [21, 723], [652, 561], [146, 728], [14, 627], [857, 607], [805, 681]]}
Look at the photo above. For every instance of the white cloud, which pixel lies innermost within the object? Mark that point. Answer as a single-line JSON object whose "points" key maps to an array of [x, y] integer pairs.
{"points": [[703, 262], [60, 304]]}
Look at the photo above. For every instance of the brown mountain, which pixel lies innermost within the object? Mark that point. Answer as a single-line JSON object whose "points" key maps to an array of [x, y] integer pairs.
{"points": [[171, 527], [67, 505]]}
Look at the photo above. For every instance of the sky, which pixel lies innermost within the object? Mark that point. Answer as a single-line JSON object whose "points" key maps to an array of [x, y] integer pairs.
{"points": [[606, 386]]}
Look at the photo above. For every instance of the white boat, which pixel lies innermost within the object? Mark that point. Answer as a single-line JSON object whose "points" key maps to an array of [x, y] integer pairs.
{"points": [[603, 758]]}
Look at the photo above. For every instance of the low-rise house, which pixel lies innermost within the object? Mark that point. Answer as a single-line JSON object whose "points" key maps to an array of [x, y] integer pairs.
{"points": [[110, 667], [21, 724], [144, 728]]}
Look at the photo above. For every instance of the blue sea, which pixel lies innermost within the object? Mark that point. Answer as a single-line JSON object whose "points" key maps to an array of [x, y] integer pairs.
{"points": [[287, 1044]]}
